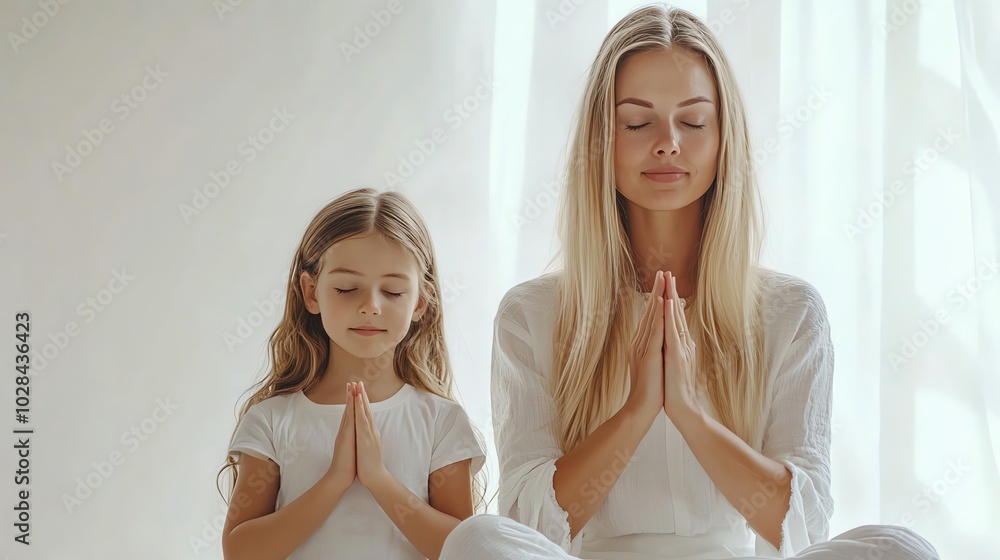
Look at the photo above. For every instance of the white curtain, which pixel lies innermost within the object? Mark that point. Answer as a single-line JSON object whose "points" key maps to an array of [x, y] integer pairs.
{"points": [[161, 161]]}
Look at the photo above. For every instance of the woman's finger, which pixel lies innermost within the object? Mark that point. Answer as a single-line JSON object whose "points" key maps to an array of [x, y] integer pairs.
{"points": [[679, 322], [642, 332]]}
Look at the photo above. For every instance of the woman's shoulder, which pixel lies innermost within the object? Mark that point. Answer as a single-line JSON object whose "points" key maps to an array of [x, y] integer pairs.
{"points": [[790, 301], [530, 297]]}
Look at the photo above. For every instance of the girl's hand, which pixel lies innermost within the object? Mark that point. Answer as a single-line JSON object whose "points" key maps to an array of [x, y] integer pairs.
{"points": [[369, 443], [343, 468], [679, 394], [646, 354]]}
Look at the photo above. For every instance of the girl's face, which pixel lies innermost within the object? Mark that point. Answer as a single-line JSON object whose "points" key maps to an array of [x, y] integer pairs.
{"points": [[366, 294], [666, 129]]}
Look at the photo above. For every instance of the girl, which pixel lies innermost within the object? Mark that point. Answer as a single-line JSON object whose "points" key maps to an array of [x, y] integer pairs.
{"points": [[353, 446], [663, 396]]}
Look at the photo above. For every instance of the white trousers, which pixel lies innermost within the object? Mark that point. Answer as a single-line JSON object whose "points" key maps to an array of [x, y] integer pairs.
{"points": [[492, 537]]}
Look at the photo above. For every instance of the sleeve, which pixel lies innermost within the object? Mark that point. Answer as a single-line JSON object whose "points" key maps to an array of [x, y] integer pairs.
{"points": [[456, 439], [797, 433], [254, 435], [523, 420]]}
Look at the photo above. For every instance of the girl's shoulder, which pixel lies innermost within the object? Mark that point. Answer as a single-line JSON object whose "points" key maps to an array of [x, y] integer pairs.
{"points": [[275, 405]]}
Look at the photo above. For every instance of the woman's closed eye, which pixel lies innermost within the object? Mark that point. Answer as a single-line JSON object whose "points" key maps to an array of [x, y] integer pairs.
{"points": [[637, 127], [393, 294]]}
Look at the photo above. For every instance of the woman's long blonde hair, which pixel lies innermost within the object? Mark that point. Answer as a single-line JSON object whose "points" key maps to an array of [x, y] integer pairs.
{"points": [[299, 347], [597, 304]]}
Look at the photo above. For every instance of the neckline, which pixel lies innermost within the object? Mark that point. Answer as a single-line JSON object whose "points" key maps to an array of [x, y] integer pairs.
{"points": [[399, 397]]}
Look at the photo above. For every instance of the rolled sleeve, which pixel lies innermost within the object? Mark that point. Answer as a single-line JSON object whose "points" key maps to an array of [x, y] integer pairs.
{"points": [[254, 436], [797, 433], [523, 422]]}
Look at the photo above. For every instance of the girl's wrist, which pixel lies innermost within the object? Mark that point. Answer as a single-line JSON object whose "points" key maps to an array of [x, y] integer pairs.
{"points": [[337, 482]]}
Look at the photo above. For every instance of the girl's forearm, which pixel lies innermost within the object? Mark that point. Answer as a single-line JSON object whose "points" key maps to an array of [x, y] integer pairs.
{"points": [[425, 527], [276, 535], [741, 474]]}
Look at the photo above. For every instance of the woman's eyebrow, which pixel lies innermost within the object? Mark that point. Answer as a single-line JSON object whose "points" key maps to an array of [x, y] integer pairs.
{"points": [[647, 104]]}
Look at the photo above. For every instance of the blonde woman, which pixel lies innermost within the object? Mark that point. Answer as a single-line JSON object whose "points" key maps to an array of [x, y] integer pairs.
{"points": [[663, 396], [353, 446]]}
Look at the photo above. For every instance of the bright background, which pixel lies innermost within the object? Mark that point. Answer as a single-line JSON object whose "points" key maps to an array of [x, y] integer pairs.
{"points": [[848, 100]]}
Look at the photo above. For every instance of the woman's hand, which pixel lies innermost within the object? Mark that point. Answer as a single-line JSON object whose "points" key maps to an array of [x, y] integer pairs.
{"points": [[646, 354], [369, 443], [343, 469], [679, 394]]}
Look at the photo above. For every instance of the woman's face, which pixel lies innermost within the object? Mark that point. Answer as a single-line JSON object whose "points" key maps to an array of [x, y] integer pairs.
{"points": [[666, 129]]}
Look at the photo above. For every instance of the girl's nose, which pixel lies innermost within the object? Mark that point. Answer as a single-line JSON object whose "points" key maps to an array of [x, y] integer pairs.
{"points": [[370, 306]]}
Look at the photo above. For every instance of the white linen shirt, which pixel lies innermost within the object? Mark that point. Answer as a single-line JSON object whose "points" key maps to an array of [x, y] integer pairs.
{"points": [[664, 498]]}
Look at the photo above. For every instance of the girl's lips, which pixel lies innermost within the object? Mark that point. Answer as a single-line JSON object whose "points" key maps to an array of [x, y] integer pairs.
{"points": [[367, 332]]}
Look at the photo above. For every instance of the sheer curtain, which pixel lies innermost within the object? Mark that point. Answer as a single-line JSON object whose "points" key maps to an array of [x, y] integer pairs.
{"points": [[875, 129]]}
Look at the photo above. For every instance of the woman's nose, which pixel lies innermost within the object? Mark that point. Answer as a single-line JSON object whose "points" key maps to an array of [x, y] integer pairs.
{"points": [[668, 143]]}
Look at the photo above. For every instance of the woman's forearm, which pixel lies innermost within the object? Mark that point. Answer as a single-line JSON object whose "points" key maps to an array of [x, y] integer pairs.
{"points": [[757, 486], [425, 527], [585, 475]]}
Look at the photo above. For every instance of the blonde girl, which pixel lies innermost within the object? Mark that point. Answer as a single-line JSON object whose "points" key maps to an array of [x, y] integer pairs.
{"points": [[664, 396], [353, 446]]}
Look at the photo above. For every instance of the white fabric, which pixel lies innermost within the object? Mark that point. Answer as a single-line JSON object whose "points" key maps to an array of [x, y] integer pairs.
{"points": [[492, 537], [421, 432], [664, 490]]}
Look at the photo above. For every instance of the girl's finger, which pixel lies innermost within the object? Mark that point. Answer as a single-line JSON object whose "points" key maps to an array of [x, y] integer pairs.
{"points": [[359, 414], [368, 405]]}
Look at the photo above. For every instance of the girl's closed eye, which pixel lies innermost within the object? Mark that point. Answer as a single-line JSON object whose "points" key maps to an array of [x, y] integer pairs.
{"points": [[393, 294]]}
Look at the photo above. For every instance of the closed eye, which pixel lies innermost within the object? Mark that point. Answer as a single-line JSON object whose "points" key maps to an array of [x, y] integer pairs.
{"points": [[630, 127], [393, 294]]}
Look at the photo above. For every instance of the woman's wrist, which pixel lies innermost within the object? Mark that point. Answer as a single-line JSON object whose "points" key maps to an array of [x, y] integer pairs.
{"points": [[641, 410]]}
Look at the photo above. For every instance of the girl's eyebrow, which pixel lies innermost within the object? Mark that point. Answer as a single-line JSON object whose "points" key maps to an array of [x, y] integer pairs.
{"points": [[343, 270]]}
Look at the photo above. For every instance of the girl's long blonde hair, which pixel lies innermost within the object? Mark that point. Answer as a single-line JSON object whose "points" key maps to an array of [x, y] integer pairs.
{"points": [[597, 304], [299, 347]]}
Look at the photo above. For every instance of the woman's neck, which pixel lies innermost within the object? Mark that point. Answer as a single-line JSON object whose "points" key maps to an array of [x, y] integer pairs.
{"points": [[666, 241]]}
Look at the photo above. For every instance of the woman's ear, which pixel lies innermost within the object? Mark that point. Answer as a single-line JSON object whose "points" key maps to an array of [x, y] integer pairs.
{"points": [[308, 285]]}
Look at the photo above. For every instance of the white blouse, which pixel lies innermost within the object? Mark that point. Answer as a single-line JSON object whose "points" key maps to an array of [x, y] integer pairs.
{"points": [[663, 499]]}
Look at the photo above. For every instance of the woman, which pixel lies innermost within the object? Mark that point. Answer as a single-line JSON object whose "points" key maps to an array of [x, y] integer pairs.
{"points": [[692, 421]]}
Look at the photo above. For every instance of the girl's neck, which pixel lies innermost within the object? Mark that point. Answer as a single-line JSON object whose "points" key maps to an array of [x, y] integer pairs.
{"points": [[377, 374]]}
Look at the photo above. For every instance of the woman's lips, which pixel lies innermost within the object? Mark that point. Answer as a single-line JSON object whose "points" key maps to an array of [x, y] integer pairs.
{"points": [[665, 177]]}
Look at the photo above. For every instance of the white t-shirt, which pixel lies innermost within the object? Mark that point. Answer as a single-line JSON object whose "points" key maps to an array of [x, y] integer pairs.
{"points": [[421, 432], [664, 499]]}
